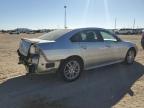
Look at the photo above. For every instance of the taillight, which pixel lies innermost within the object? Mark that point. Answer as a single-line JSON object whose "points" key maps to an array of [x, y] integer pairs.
{"points": [[34, 49]]}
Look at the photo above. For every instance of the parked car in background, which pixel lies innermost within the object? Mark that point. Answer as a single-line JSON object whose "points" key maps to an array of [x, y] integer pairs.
{"points": [[69, 51], [125, 31], [142, 39], [14, 32], [30, 32]]}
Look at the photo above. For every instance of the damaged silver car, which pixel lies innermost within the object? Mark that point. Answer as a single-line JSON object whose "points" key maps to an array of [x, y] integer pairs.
{"points": [[69, 51]]}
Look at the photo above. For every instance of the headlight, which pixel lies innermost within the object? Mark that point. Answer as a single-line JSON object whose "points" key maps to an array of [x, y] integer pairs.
{"points": [[34, 50]]}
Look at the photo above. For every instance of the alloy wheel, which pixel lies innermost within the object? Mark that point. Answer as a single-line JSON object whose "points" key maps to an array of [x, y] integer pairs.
{"points": [[72, 70]]}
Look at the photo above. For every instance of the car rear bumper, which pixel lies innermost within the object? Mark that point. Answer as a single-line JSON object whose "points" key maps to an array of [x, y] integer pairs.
{"points": [[37, 64]]}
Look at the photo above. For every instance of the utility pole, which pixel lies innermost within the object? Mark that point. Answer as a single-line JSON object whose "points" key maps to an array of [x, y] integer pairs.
{"points": [[115, 26], [65, 16], [134, 24]]}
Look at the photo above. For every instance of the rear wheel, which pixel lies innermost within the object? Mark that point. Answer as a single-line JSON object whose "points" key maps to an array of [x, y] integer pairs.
{"points": [[71, 69], [30, 69], [130, 57]]}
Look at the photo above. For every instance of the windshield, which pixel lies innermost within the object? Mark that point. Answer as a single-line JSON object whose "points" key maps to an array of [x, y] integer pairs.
{"points": [[53, 35]]}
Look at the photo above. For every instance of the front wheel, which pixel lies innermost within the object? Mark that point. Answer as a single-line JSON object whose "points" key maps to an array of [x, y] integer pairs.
{"points": [[71, 69], [142, 43], [130, 57]]}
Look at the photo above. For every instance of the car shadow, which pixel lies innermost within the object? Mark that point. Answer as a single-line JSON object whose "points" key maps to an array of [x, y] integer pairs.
{"points": [[98, 88]]}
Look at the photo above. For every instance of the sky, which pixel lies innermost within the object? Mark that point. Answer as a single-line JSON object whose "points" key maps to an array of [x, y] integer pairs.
{"points": [[40, 14]]}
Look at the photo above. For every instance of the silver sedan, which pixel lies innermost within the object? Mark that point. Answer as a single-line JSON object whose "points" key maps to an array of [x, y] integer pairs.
{"points": [[69, 52]]}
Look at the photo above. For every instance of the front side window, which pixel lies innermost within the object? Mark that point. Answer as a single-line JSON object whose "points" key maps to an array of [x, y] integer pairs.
{"points": [[76, 38], [107, 36]]}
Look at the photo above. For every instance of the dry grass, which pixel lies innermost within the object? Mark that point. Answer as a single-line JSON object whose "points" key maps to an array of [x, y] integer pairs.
{"points": [[8, 55]]}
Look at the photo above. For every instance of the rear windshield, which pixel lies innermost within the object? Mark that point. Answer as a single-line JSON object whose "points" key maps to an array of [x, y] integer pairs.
{"points": [[53, 35]]}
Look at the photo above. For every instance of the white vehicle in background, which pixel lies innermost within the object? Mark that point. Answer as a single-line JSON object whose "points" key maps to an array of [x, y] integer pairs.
{"points": [[125, 31]]}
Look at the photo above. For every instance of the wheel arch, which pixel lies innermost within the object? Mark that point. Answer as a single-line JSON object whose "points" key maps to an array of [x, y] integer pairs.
{"points": [[134, 49], [72, 57]]}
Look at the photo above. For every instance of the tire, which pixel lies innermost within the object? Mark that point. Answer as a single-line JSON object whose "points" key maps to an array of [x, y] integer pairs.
{"points": [[142, 43], [30, 69], [71, 69], [130, 56]]}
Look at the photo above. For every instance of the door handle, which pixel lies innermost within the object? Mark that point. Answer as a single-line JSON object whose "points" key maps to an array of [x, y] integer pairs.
{"points": [[83, 47], [108, 46]]}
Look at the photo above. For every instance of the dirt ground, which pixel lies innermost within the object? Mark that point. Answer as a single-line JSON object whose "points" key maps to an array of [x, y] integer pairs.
{"points": [[8, 55], [117, 86]]}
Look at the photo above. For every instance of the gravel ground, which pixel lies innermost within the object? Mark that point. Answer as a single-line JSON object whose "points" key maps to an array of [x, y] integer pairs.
{"points": [[117, 86]]}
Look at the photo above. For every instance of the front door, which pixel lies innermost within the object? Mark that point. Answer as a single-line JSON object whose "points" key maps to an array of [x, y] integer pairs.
{"points": [[114, 45]]}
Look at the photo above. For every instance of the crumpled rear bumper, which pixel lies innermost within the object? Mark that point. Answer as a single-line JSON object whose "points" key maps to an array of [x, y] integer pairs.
{"points": [[36, 63], [30, 61]]}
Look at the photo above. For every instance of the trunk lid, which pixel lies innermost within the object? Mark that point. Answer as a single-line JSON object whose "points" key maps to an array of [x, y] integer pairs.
{"points": [[26, 43]]}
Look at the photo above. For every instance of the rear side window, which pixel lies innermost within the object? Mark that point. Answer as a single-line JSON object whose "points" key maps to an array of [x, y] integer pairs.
{"points": [[91, 36], [86, 36], [76, 38]]}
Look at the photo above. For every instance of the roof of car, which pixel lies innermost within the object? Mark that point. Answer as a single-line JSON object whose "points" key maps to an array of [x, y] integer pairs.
{"points": [[89, 28], [81, 28], [56, 34]]}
